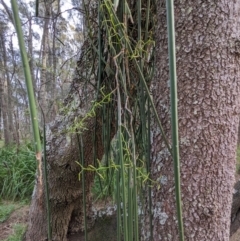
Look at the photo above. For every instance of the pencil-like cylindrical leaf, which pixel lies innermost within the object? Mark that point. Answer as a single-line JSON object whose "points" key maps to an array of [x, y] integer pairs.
{"points": [[174, 112], [28, 79]]}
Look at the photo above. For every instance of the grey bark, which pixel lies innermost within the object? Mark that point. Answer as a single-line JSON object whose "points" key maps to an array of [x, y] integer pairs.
{"points": [[62, 154], [207, 58], [54, 60], [4, 98], [7, 92], [3, 112], [43, 95], [207, 37], [4, 115]]}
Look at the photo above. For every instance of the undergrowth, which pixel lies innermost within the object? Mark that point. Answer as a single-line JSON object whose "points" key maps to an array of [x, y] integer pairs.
{"points": [[1, 143], [17, 172]]}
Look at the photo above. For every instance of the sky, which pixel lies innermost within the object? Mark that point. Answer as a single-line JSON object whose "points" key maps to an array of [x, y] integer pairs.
{"points": [[65, 5]]}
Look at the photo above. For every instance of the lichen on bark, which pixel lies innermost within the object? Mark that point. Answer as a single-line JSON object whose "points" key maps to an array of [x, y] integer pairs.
{"points": [[208, 93]]}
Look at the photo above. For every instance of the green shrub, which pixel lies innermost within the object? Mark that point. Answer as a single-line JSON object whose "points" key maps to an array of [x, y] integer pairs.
{"points": [[17, 172]]}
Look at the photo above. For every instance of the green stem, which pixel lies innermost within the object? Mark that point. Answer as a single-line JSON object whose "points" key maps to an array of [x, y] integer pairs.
{"points": [[28, 79], [33, 112], [49, 228], [174, 112], [81, 157], [129, 48]]}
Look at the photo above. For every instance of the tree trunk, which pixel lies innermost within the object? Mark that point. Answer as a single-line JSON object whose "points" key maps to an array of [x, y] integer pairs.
{"points": [[207, 40], [6, 100], [9, 104], [66, 191], [4, 112], [43, 95], [16, 132], [54, 60], [8, 87], [64, 186], [207, 58], [1, 105]]}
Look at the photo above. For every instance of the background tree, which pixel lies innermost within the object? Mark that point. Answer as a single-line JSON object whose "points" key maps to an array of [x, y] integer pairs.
{"points": [[56, 80]]}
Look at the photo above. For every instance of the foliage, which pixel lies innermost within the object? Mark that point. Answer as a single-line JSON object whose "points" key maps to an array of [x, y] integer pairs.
{"points": [[125, 55], [1, 143], [105, 182], [17, 172]]}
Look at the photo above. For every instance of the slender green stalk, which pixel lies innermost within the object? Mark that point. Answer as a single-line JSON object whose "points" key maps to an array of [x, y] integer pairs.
{"points": [[84, 194], [130, 206], [147, 20], [118, 199], [98, 85], [36, 8], [33, 110], [174, 112], [133, 185], [81, 156], [139, 7], [149, 171], [135, 202], [99, 48], [49, 228], [28, 79], [46, 186], [120, 141], [129, 48]]}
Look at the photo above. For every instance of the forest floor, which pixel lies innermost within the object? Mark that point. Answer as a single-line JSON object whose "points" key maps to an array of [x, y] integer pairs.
{"points": [[19, 217], [14, 218], [13, 227]]}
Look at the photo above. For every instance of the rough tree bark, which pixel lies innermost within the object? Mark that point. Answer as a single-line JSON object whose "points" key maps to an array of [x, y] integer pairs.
{"points": [[43, 95], [207, 39], [5, 85], [66, 193], [1, 107], [62, 155], [64, 185], [207, 58], [9, 91]]}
